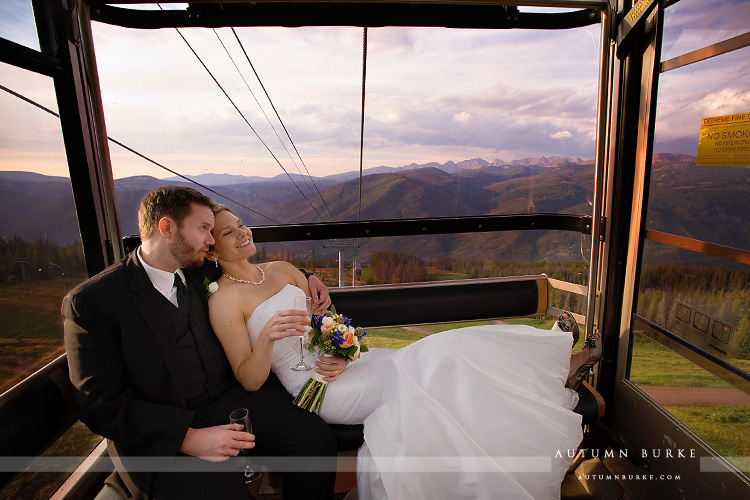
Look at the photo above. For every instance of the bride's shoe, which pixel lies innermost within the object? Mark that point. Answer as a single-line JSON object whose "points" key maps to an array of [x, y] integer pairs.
{"points": [[594, 345], [568, 323]]}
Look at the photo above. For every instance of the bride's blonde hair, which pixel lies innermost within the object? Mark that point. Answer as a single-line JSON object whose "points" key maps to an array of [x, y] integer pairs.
{"points": [[218, 207]]}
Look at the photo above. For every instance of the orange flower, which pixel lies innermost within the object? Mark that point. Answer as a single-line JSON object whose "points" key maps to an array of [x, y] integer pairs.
{"points": [[348, 340]]}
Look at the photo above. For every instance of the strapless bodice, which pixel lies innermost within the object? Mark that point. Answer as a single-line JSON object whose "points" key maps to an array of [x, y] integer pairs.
{"points": [[357, 391], [285, 351]]}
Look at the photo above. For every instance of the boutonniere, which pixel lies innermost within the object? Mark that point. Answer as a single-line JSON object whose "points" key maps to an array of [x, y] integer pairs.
{"points": [[210, 287]]}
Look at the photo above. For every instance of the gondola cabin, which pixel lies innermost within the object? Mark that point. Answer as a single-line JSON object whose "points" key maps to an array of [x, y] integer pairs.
{"points": [[436, 164]]}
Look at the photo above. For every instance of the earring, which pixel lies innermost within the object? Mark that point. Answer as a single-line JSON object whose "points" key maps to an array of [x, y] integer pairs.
{"points": [[216, 262]]}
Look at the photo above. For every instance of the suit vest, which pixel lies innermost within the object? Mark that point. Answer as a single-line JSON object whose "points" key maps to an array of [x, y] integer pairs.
{"points": [[206, 372]]}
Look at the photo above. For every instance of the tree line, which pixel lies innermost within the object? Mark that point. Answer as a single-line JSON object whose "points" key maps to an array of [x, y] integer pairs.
{"points": [[721, 291], [23, 261], [570, 271]]}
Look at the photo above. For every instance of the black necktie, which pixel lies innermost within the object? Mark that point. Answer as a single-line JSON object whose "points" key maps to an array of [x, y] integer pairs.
{"points": [[183, 298]]}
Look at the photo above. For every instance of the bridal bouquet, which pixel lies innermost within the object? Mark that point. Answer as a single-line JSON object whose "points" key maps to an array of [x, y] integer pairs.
{"points": [[334, 335]]}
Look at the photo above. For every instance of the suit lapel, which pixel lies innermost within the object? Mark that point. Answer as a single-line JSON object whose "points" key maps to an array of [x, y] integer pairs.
{"points": [[150, 304]]}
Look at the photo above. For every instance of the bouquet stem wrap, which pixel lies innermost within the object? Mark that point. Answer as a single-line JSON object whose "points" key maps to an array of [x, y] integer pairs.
{"points": [[311, 395]]}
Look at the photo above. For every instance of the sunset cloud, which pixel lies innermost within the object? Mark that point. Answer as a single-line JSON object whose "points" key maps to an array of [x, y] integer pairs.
{"points": [[432, 94], [461, 117], [564, 134]]}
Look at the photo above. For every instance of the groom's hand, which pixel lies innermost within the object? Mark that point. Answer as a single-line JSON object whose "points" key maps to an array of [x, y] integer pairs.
{"points": [[321, 299], [218, 443]]}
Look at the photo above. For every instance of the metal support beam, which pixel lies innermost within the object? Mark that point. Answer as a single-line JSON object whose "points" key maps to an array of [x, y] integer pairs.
{"points": [[82, 124], [21, 56], [635, 17]]}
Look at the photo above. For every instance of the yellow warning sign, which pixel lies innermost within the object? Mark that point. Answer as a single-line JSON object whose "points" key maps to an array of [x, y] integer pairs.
{"points": [[724, 141]]}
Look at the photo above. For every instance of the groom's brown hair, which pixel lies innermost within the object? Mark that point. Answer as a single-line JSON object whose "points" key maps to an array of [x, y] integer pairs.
{"points": [[168, 201]]}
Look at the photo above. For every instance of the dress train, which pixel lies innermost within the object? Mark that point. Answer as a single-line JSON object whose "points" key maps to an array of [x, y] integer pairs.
{"points": [[473, 413]]}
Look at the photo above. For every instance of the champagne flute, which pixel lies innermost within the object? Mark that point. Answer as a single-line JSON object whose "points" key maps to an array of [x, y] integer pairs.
{"points": [[303, 304], [241, 416]]}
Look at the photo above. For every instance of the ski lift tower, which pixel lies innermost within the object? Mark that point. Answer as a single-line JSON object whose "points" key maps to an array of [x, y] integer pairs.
{"points": [[340, 244]]}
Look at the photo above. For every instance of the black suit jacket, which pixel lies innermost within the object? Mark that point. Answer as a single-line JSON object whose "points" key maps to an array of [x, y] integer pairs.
{"points": [[119, 336]]}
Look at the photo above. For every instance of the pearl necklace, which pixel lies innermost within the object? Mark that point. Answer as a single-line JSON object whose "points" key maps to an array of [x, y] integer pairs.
{"points": [[262, 277]]}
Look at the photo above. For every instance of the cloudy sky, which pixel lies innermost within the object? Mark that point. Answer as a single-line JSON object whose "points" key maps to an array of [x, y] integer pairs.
{"points": [[432, 95]]}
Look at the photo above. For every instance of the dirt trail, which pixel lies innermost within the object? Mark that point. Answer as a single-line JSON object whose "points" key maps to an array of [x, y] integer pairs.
{"points": [[421, 331], [696, 396]]}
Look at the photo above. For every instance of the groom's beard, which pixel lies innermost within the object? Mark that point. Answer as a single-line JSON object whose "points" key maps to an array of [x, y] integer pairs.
{"points": [[184, 253]]}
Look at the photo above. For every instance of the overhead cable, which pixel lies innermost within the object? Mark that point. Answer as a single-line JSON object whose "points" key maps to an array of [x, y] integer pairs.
{"points": [[277, 116], [247, 122], [280, 121], [44, 108], [261, 107]]}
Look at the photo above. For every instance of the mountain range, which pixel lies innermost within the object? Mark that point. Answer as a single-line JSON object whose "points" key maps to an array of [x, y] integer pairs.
{"points": [[42, 206], [449, 166]]}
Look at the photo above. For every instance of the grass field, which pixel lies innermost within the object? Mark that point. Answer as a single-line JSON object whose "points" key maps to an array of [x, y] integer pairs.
{"points": [[726, 428], [656, 365], [33, 312], [31, 333]]}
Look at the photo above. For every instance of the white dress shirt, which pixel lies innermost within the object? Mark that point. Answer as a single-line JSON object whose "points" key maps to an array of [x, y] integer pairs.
{"points": [[162, 280]]}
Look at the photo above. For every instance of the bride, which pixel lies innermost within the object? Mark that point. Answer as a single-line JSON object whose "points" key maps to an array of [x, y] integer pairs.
{"points": [[468, 413]]}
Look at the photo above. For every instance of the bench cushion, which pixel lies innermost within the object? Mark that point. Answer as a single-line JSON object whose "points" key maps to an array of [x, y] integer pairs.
{"points": [[442, 301]]}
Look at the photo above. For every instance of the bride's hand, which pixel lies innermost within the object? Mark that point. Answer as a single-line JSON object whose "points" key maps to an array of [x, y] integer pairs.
{"points": [[330, 367], [287, 323]]}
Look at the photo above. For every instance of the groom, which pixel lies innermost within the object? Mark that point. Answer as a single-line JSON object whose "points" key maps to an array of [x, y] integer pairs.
{"points": [[149, 374]]}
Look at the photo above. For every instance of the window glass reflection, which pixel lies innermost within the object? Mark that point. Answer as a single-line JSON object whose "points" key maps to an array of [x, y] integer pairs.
{"points": [[693, 24], [39, 239], [695, 359], [703, 302], [705, 203], [17, 23], [713, 409], [73, 446], [701, 299], [41, 257]]}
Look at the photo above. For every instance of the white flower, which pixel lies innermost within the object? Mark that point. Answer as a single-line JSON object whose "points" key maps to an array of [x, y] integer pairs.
{"points": [[212, 287], [342, 328], [327, 320]]}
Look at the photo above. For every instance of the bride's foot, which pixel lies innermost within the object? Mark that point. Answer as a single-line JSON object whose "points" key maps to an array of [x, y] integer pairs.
{"points": [[568, 323], [581, 362]]}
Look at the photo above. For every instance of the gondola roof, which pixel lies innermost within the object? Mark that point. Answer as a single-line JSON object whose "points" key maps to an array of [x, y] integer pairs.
{"points": [[457, 14]]}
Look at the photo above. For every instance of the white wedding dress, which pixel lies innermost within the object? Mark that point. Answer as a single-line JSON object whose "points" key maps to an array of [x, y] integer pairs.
{"points": [[473, 413]]}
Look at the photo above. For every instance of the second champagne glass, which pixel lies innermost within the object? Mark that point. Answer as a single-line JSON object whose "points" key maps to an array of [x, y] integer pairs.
{"points": [[241, 416], [303, 304]]}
